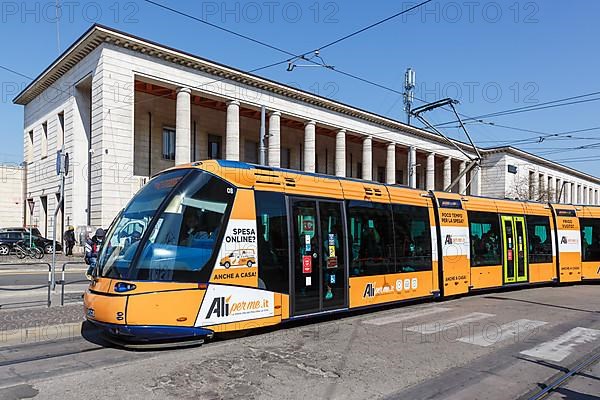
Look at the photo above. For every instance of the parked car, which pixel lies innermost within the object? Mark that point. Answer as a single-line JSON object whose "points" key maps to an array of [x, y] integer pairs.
{"points": [[9, 238], [34, 231]]}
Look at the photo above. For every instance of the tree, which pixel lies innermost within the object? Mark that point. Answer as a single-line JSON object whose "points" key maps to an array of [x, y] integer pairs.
{"points": [[523, 189]]}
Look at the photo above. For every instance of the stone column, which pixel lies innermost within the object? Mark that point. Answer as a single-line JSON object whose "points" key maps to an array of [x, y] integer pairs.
{"points": [[412, 167], [274, 151], [367, 159], [310, 142], [568, 192], [183, 123], [340, 153], [462, 182], [551, 190], [390, 164], [476, 181], [430, 172], [232, 131], [560, 192], [541, 186], [533, 186], [448, 172]]}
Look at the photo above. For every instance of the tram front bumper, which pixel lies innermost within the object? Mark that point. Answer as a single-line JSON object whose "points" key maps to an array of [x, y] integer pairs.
{"points": [[150, 333]]}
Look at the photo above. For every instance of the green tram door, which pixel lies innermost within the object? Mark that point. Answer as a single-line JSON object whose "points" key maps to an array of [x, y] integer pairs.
{"points": [[515, 249]]}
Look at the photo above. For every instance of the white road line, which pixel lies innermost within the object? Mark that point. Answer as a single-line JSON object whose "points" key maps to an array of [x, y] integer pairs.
{"points": [[452, 323], [491, 334], [405, 316], [561, 347]]}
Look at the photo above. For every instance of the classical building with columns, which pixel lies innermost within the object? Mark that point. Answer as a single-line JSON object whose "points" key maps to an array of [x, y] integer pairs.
{"points": [[513, 173], [125, 108]]}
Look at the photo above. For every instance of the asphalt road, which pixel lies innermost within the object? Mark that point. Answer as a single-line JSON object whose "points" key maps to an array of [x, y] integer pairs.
{"points": [[33, 278], [503, 345]]}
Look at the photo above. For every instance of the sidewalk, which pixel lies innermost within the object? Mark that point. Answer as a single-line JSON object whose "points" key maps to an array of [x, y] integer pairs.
{"points": [[40, 324], [13, 300]]}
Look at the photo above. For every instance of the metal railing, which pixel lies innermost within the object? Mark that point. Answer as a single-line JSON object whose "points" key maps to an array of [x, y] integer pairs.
{"points": [[48, 284], [62, 282]]}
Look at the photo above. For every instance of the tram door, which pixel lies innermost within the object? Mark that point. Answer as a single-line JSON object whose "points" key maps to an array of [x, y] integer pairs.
{"points": [[319, 267], [515, 249]]}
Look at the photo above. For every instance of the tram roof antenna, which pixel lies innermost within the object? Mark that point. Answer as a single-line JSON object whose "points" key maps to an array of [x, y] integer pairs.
{"points": [[473, 162]]}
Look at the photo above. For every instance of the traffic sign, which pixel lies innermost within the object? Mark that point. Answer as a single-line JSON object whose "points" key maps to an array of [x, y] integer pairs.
{"points": [[58, 161], [66, 161], [31, 205]]}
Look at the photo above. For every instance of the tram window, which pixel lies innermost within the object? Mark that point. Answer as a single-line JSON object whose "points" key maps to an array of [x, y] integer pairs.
{"points": [[273, 252], [370, 234], [412, 233], [117, 254], [484, 231], [539, 239], [590, 239], [184, 240]]}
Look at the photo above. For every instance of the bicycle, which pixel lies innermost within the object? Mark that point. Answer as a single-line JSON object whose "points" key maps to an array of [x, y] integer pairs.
{"points": [[22, 251]]}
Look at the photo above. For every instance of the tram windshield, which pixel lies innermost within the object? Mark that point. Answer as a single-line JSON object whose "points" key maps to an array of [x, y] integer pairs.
{"points": [[176, 244]]}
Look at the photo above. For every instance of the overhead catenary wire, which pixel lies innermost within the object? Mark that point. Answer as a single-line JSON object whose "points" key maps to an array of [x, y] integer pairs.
{"points": [[353, 76], [532, 107], [265, 44]]}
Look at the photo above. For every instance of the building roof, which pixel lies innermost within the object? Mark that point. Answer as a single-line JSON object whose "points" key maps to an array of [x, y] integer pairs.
{"points": [[98, 34], [540, 161]]}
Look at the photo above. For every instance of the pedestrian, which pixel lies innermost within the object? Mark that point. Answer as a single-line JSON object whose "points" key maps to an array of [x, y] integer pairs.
{"points": [[92, 247], [69, 240]]}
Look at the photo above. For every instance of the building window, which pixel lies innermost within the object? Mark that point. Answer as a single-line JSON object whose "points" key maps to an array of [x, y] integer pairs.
{"points": [[380, 174], [285, 157], [168, 146], [531, 185], [60, 135], [44, 145], [371, 238], [412, 233], [399, 176], [350, 172], [273, 256], [214, 147], [30, 147], [484, 230], [251, 151], [540, 239], [359, 170], [44, 215], [590, 239]]}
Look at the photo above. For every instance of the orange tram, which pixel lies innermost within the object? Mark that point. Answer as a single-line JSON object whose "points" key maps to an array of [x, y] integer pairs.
{"points": [[218, 246]]}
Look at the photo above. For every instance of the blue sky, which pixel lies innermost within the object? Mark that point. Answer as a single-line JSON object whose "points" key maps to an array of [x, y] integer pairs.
{"points": [[491, 55]]}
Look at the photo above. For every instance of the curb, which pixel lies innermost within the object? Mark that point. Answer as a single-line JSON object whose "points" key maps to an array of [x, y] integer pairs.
{"points": [[40, 334]]}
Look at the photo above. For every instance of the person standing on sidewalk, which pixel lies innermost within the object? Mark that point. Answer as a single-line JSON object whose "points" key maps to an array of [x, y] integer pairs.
{"points": [[92, 247], [69, 240]]}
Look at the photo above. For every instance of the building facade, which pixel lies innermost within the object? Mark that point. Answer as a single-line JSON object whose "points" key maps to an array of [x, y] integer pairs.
{"points": [[125, 108], [511, 173], [12, 209]]}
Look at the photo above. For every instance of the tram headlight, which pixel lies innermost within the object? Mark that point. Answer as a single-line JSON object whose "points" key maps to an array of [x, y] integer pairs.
{"points": [[121, 287]]}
